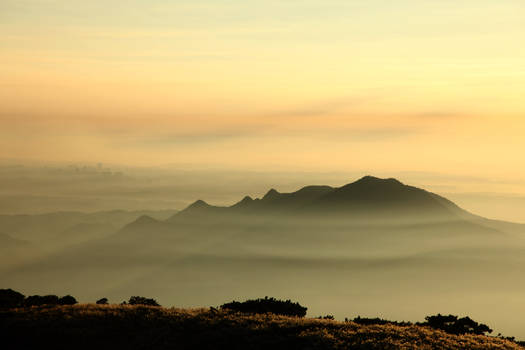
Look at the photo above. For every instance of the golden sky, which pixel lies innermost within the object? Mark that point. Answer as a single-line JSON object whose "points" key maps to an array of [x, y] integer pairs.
{"points": [[408, 85]]}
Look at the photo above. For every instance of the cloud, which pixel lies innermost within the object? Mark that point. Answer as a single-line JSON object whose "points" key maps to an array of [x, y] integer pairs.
{"points": [[187, 138], [374, 134], [326, 107], [263, 134], [438, 115]]}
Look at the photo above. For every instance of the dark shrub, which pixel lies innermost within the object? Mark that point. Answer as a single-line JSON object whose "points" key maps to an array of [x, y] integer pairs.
{"points": [[267, 305], [38, 300], [454, 325], [67, 300], [377, 321], [135, 300], [10, 298], [102, 301], [326, 317], [369, 321]]}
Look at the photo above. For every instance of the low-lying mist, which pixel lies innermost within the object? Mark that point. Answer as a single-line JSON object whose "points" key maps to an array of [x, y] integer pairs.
{"points": [[389, 250]]}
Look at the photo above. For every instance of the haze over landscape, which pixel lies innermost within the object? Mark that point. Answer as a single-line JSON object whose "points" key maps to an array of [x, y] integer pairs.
{"points": [[364, 158]]}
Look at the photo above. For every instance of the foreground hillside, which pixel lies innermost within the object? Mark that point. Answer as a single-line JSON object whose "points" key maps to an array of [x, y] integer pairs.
{"points": [[142, 327]]}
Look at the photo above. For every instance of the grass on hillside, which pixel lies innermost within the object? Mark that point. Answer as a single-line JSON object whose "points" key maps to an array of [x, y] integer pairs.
{"points": [[90, 326]]}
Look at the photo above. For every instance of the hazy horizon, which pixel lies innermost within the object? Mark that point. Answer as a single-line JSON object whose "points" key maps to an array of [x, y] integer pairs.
{"points": [[95, 187]]}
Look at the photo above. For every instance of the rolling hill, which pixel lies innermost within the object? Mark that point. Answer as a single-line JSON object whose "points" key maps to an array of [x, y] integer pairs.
{"points": [[141, 327]]}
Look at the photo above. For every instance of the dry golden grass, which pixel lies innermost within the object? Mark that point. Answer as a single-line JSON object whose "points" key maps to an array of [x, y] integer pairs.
{"points": [[92, 326]]}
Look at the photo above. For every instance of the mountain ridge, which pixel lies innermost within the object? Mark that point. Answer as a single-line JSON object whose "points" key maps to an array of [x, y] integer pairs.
{"points": [[368, 195]]}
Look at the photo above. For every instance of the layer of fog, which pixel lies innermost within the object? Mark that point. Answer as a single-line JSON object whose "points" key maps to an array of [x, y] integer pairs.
{"points": [[394, 271]]}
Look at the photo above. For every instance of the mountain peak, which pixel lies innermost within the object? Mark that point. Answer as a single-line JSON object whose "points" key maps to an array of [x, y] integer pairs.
{"points": [[314, 189], [271, 194], [198, 204], [372, 187], [141, 222], [368, 179], [246, 200]]}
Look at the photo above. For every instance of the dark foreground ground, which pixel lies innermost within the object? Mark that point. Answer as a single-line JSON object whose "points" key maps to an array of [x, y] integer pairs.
{"points": [[141, 327]]}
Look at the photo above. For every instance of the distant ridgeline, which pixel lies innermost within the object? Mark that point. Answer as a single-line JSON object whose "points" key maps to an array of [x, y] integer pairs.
{"points": [[369, 196], [370, 202]]}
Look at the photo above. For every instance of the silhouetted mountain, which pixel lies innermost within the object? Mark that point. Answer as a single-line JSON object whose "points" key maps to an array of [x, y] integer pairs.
{"points": [[35, 237], [245, 202], [62, 228], [198, 206], [145, 220], [369, 198], [369, 206], [298, 200]]}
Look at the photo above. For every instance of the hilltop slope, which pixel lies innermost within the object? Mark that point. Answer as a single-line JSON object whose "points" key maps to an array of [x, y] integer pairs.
{"points": [[140, 327]]}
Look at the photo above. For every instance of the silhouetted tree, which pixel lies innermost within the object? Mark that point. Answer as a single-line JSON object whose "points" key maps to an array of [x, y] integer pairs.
{"points": [[38, 300], [454, 325], [67, 300], [376, 321], [136, 300], [102, 301], [327, 317], [267, 305], [10, 298]]}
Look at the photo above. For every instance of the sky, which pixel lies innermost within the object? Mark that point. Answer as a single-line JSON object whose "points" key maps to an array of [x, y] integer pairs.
{"points": [[310, 85]]}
